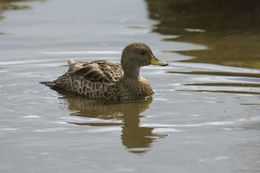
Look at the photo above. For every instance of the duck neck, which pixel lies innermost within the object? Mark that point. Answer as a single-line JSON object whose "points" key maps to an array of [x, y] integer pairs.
{"points": [[132, 73]]}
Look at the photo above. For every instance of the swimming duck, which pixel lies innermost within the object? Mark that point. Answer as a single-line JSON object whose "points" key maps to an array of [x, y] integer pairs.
{"points": [[109, 80]]}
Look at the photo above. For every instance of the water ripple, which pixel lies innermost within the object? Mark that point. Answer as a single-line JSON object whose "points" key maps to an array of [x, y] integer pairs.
{"points": [[80, 52]]}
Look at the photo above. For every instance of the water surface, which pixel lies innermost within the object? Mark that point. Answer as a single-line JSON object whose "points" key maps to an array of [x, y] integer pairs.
{"points": [[204, 116]]}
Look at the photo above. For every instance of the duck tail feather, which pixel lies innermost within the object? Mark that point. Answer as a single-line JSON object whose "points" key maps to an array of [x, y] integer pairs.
{"points": [[48, 83]]}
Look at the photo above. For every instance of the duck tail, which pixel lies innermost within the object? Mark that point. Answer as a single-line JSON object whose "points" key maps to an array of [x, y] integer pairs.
{"points": [[71, 63], [48, 83]]}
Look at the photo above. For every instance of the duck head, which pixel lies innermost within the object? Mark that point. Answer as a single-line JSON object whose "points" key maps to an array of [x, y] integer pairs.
{"points": [[135, 56]]}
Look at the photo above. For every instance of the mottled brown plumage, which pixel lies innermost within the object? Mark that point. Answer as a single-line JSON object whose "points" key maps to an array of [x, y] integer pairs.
{"points": [[109, 80]]}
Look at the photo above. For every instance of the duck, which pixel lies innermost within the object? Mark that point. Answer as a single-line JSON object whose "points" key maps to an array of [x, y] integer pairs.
{"points": [[109, 80]]}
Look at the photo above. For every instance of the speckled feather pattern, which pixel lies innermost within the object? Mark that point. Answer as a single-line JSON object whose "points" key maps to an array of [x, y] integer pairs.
{"points": [[109, 80], [101, 80]]}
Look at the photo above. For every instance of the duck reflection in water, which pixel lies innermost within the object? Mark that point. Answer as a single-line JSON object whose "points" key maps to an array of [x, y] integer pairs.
{"points": [[135, 138]]}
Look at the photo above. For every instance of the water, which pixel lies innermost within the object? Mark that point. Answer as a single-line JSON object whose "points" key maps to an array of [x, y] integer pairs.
{"points": [[204, 116]]}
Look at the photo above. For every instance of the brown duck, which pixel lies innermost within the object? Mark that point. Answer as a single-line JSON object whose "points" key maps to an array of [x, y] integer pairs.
{"points": [[109, 80]]}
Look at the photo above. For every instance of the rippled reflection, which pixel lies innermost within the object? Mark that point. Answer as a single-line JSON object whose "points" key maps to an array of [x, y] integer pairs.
{"points": [[135, 138], [230, 29], [222, 82], [230, 32]]}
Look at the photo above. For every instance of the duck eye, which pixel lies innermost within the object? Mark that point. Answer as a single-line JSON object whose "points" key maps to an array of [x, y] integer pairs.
{"points": [[142, 52]]}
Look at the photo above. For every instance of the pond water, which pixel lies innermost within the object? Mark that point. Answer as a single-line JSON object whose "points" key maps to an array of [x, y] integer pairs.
{"points": [[204, 117]]}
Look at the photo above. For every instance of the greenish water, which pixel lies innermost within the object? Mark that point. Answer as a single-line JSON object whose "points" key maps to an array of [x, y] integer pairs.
{"points": [[229, 29], [204, 116]]}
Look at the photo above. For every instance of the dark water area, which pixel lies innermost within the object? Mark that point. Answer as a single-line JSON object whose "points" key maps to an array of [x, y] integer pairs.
{"points": [[204, 116], [229, 29]]}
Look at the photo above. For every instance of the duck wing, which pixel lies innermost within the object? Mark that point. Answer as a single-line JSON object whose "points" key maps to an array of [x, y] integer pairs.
{"points": [[100, 71]]}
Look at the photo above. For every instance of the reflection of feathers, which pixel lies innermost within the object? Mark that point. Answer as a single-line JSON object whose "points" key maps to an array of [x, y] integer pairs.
{"points": [[127, 112], [106, 109]]}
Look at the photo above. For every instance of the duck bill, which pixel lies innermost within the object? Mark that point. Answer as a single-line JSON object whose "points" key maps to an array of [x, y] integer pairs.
{"points": [[155, 61]]}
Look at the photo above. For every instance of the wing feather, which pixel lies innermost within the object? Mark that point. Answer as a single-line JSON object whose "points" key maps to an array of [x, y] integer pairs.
{"points": [[101, 71]]}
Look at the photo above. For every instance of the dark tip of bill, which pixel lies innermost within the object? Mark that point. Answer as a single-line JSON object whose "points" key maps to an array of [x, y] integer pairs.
{"points": [[165, 64]]}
